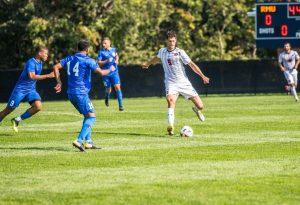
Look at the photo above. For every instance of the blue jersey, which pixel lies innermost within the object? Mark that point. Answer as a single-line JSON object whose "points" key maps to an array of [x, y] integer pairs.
{"points": [[79, 67], [109, 55], [25, 84]]}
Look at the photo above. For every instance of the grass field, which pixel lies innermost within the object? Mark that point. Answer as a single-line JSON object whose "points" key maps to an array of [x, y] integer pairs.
{"points": [[247, 152]]}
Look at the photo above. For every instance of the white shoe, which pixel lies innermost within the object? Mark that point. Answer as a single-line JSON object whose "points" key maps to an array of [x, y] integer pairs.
{"points": [[199, 114]]}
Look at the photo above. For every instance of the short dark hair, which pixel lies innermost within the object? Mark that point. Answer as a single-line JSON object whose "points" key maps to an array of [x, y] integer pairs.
{"points": [[287, 43], [105, 39], [171, 34], [40, 48], [83, 45]]}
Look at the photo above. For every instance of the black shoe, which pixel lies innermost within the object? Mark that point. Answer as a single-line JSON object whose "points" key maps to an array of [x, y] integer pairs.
{"points": [[106, 102], [15, 124], [78, 146]]}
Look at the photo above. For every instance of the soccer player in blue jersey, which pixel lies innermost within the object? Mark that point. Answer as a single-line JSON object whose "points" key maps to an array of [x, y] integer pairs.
{"points": [[108, 59], [25, 88], [79, 67]]}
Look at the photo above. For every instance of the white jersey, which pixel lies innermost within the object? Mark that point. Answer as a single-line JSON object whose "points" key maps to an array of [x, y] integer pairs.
{"points": [[172, 62], [288, 59]]}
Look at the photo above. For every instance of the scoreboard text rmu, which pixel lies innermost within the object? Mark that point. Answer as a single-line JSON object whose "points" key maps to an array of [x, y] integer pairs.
{"points": [[277, 22]]}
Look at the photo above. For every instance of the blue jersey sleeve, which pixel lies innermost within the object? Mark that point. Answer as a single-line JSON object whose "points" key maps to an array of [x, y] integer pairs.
{"points": [[30, 66], [64, 61], [100, 56], [93, 65]]}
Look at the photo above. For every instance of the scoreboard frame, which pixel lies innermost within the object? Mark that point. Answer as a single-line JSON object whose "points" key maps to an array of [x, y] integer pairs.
{"points": [[283, 17]]}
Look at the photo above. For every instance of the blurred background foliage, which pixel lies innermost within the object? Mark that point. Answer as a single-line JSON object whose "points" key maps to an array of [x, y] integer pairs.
{"points": [[207, 29]]}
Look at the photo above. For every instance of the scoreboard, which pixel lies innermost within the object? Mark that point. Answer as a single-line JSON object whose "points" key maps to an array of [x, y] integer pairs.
{"points": [[277, 22]]}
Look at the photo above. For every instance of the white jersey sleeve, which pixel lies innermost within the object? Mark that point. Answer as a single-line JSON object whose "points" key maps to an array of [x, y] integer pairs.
{"points": [[184, 57], [159, 54]]}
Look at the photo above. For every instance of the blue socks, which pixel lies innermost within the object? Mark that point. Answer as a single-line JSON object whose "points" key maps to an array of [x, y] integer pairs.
{"points": [[107, 95], [88, 138], [86, 129], [120, 98], [25, 115]]}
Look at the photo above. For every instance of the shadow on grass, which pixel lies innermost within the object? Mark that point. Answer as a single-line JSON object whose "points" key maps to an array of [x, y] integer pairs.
{"points": [[132, 134], [37, 148], [6, 135]]}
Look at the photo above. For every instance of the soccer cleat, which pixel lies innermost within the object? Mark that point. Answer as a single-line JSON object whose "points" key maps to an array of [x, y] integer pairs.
{"points": [[15, 124], [106, 102], [297, 99], [78, 146], [170, 130], [199, 114], [121, 108], [91, 146]]}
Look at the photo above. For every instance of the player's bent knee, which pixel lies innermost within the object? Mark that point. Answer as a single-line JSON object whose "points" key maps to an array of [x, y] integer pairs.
{"points": [[171, 102], [118, 87], [90, 114], [38, 106]]}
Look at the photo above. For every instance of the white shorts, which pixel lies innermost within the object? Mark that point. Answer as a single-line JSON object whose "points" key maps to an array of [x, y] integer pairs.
{"points": [[291, 76], [186, 90]]}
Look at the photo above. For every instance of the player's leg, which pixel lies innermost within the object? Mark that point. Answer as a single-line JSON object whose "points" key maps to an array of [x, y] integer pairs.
{"points": [[198, 107], [119, 96], [191, 94], [290, 79], [107, 85], [171, 100], [107, 96], [34, 100], [295, 83], [13, 102], [115, 81], [6, 111], [83, 104], [90, 119]]}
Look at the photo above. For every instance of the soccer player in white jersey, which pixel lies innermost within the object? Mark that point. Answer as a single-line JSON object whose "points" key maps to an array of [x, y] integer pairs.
{"points": [[173, 60], [288, 62]]}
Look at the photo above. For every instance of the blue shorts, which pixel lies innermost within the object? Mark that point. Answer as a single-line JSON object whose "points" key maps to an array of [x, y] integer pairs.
{"points": [[82, 103], [20, 96], [111, 80]]}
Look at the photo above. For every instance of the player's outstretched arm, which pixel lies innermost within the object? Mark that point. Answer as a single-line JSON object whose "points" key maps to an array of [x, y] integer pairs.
{"points": [[56, 69], [197, 70], [102, 62], [102, 72], [153, 61], [33, 76]]}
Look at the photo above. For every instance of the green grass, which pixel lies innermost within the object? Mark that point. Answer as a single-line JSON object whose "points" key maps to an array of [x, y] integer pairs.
{"points": [[246, 152]]}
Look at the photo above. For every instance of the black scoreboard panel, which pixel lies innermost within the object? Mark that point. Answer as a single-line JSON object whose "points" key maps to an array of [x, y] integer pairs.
{"points": [[277, 22]]}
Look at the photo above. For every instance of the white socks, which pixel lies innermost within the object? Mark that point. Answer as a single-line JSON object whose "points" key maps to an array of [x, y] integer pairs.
{"points": [[171, 116], [18, 119], [294, 92]]}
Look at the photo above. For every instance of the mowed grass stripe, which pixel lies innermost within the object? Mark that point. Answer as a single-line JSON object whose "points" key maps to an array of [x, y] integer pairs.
{"points": [[102, 178], [246, 151]]}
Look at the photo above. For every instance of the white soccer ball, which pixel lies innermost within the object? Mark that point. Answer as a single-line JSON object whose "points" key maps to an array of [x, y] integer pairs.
{"points": [[186, 131]]}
